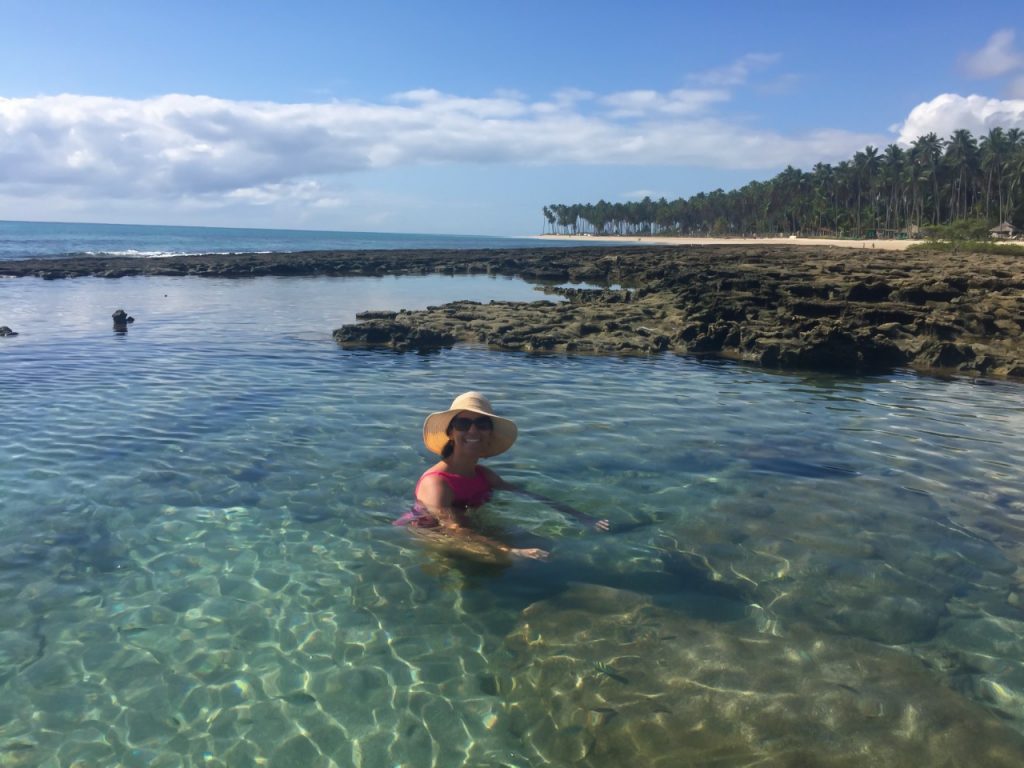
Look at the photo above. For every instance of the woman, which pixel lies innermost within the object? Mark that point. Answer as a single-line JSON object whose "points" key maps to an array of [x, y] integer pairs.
{"points": [[462, 435]]}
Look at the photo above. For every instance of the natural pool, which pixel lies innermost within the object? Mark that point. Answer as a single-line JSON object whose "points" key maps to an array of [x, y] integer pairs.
{"points": [[198, 566]]}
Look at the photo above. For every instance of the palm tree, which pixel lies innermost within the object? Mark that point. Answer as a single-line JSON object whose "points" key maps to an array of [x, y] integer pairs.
{"points": [[866, 168], [927, 151], [932, 181], [994, 154], [823, 184], [1013, 170], [845, 183], [892, 173], [1014, 173], [962, 158], [786, 193], [549, 217]]}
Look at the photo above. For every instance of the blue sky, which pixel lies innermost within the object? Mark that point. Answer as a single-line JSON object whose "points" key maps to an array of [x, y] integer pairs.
{"points": [[466, 117]]}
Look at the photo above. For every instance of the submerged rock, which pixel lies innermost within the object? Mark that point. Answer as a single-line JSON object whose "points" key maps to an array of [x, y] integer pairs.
{"points": [[602, 677]]}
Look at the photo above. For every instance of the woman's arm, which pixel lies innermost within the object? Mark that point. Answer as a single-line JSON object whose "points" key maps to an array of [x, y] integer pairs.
{"points": [[436, 495], [498, 483]]}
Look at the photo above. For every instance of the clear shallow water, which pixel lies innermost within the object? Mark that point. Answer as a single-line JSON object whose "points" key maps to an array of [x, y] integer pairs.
{"points": [[30, 239], [198, 565]]}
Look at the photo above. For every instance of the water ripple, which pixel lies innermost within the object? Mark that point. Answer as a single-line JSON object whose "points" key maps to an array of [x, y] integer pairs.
{"points": [[197, 536]]}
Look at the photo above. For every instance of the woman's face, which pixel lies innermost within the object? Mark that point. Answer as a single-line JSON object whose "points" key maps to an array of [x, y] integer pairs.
{"points": [[470, 432]]}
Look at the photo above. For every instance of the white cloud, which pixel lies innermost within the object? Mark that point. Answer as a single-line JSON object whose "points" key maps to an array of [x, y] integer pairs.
{"points": [[679, 102], [302, 192], [996, 58], [949, 112], [195, 153], [736, 73], [640, 194]]}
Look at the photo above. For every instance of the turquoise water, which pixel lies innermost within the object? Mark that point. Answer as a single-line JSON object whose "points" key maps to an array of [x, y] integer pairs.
{"points": [[29, 239], [198, 565]]}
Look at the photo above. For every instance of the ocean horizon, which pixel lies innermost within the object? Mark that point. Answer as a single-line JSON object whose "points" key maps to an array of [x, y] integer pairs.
{"points": [[52, 239]]}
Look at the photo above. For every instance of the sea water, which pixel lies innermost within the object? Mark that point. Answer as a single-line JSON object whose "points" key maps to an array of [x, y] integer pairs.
{"points": [[198, 565], [47, 239]]}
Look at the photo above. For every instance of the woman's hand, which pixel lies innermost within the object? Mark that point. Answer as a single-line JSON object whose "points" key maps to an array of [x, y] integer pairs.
{"points": [[531, 553], [601, 525]]}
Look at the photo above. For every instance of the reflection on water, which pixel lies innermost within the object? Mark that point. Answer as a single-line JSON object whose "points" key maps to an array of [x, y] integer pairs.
{"points": [[198, 565]]}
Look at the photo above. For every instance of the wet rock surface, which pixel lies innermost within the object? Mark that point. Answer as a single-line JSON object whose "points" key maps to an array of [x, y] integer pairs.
{"points": [[121, 320], [834, 309], [540, 264], [604, 677]]}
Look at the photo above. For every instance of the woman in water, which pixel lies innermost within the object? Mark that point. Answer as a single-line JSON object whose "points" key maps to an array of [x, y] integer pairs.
{"points": [[462, 435]]}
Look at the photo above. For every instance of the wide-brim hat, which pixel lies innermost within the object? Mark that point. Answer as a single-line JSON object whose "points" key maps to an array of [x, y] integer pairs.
{"points": [[435, 428]]}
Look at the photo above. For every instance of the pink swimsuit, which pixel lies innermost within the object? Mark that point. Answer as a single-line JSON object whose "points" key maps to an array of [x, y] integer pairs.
{"points": [[466, 491]]}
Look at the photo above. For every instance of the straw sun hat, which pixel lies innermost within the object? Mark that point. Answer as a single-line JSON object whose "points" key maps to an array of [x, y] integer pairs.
{"points": [[436, 426]]}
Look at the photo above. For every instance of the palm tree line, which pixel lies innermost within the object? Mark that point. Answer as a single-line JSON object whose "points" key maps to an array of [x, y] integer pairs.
{"points": [[893, 193]]}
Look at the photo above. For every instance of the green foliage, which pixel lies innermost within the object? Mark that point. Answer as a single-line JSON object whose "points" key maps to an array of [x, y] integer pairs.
{"points": [[895, 193], [970, 246], [960, 231]]}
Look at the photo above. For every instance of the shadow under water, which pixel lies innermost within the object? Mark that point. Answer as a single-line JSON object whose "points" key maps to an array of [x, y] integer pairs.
{"points": [[670, 580]]}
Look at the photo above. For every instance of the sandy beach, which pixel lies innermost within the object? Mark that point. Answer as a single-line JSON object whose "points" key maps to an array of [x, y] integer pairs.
{"points": [[878, 245]]}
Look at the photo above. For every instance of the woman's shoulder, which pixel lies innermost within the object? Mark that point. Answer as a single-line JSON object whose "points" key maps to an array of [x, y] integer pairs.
{"points": [[432, 484], [438, 469]]}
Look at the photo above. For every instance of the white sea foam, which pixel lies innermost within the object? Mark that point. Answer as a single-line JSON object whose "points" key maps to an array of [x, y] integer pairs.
{"points": [[133, 253]]}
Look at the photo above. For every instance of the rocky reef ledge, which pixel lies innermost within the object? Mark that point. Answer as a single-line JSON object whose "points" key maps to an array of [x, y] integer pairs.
{"points": [[828, 308], [848, 310]]}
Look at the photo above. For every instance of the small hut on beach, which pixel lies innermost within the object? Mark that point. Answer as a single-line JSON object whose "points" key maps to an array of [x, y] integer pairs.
{"points": [[1004, 231]]}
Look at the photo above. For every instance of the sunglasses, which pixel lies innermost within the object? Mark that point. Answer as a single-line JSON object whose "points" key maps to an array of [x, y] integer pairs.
{"points": [[463, 423]]}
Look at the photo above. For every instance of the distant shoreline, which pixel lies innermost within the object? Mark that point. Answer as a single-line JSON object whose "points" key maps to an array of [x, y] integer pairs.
{"points": [[881, 245]]}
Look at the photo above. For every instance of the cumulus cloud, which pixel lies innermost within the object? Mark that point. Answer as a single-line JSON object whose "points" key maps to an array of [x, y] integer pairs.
{"points": [[949, 112], [996, 58], [195, 150]]}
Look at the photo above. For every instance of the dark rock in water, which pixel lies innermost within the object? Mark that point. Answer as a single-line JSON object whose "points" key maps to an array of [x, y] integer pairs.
{"points": [[5, 331], [833, 348], [879, 354], [385, 331], [945, 355], [825, 350], [829, 311], [121, 320]]}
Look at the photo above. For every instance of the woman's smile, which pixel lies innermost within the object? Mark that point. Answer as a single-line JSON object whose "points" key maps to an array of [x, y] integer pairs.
{"points": [[473, 438]]}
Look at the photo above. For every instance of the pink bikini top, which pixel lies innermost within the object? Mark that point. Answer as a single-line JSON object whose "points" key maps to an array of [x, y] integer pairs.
{"points": [[466, 491]]}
